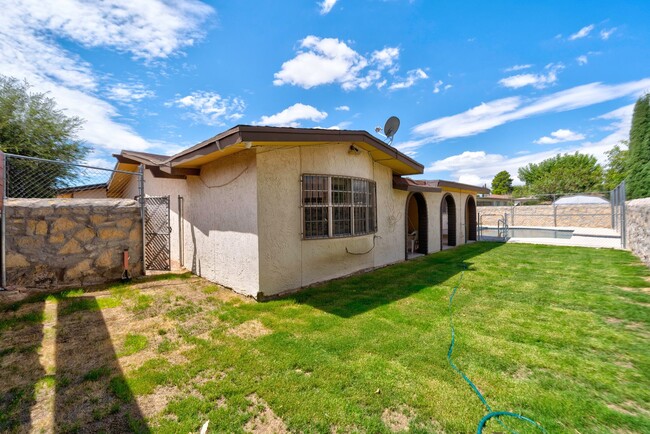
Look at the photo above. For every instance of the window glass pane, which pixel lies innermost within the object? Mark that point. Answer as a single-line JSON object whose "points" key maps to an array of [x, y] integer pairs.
{"points": [[361, 220], [341, 221], [360, 192], [314, 190], [316, 222], [341, 191]]}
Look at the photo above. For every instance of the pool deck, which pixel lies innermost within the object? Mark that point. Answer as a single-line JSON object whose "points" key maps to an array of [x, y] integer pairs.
{"points": [[582, 237]]}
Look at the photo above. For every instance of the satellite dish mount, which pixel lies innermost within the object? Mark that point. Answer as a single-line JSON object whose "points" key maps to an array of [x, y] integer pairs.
{"points": [[390, 128]]}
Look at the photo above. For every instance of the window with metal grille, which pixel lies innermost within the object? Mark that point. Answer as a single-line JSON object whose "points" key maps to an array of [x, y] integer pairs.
{"points": [[338, 206]]}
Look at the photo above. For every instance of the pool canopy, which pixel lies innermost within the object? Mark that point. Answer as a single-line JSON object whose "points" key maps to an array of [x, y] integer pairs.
{"points": [[580, 199]]}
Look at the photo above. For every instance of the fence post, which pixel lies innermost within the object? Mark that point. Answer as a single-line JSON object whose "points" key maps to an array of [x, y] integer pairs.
{"points": [[3, 234], [142, 216], [623, 223]]}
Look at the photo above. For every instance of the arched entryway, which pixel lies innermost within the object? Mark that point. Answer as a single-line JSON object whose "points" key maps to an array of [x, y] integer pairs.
{"points": [[416, 225], [447, 221], [470, 219]]}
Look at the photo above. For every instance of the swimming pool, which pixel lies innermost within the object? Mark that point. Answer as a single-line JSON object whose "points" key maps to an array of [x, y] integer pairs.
{"points": [[492, 232]]}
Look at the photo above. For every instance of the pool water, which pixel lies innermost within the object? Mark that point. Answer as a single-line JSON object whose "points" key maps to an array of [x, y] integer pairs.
{"points": [[528, 233]]}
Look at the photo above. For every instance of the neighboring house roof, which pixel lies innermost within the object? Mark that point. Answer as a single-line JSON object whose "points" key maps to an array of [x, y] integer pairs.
{"points": [[81, 188], [496, 197], [244, 137], [580, 199]]}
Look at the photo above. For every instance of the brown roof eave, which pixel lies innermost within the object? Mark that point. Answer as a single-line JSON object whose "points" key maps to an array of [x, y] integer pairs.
{"points": [[461, 186], [247, 133]]}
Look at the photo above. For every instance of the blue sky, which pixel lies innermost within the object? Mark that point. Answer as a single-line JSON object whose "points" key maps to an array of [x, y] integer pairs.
{"points": [[479, 86]]}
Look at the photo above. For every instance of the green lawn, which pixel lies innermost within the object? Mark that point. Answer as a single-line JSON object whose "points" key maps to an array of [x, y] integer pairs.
{"points": [[559, 334]]}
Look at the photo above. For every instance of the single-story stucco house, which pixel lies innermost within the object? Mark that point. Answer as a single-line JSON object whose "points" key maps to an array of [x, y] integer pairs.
{"points": [[268, 210]]}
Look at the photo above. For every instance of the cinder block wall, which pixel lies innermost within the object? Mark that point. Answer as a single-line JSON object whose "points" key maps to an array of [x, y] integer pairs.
{"points": [[637, 213], [582, 216], [70, 242]]}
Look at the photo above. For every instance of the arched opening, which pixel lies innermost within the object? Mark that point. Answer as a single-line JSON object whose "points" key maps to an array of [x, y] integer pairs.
{"points": [[416, 225], [470, 219], [447, 222]]}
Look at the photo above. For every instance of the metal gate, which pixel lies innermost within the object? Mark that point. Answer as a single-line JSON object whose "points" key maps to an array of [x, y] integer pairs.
{"points": [[157, 232]]}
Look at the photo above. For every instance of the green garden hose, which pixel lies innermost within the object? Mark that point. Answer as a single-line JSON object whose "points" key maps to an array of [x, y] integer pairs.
{"points": [[491, 414]]}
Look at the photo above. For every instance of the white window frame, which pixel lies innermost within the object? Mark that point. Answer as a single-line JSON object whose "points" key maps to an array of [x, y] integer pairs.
{"points": [[371, 221]]}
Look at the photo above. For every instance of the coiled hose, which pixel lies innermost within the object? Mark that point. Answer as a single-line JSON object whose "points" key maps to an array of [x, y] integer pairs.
{"points": [[491, 414]]}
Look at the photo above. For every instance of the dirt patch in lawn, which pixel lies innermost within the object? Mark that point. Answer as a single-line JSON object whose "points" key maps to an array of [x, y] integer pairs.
{"points": [[645, 290], [397, 420], [153, 404], [249, 330], [265, 421]]}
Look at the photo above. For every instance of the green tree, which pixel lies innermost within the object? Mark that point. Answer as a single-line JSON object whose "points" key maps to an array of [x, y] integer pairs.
{"points": [[638, 178], [568, 173], [617, 162], [32, 125], [502, 183]]}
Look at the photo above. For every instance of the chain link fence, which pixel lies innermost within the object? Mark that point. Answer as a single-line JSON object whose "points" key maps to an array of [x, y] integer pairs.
{"points": [[597, 215], [36, 178]]}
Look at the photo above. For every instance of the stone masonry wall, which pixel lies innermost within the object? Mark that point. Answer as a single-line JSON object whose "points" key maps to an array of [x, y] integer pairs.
{"points": [[581, 216], [69, 242], [637, 215]]}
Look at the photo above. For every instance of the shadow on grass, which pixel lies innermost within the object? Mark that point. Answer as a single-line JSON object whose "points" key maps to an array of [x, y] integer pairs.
{"points": [[361, 293], [21, 368], [92, 394]]}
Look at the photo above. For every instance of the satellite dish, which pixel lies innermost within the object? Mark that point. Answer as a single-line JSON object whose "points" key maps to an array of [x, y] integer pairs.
{"points": [[391, 127]]}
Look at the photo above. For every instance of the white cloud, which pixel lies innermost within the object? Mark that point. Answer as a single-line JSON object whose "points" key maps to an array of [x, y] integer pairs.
{"points": [[321, 61], [151, 29], [559, 136], [290, 116], [518, 68], [343, 108], [129, 92], [412, 77], [210, 108], [501, 111], [582, 60], [538, 81], [326, 6], [385, 58], [606, 33], [480, 166], [438, 86], [582, 33], [29, 49]]}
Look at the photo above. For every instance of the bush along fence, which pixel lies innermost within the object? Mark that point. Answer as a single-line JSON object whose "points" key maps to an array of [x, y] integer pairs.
{"points": [[66, 224]]}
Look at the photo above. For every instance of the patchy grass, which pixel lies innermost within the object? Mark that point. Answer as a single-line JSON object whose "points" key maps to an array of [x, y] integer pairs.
{"points": [[133, 344], [558, 334]]}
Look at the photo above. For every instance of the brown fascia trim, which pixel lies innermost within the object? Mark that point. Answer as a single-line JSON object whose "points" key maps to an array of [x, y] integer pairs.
{"points": [[248, 133], [408, 184], [460, 186]]}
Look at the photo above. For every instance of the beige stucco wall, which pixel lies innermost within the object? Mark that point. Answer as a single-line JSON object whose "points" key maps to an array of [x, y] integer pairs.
{"points": [[220, 221], [287, 261]]}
